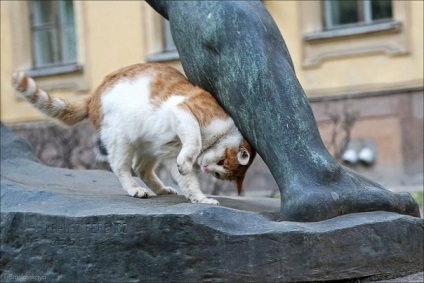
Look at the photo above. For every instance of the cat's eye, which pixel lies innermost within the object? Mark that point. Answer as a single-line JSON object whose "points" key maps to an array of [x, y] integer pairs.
{"points": [[221, 162]]}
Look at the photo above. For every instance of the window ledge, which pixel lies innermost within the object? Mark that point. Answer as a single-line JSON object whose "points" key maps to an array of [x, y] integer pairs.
{"points": [[56, 70], [163, 56], [351, 31]]}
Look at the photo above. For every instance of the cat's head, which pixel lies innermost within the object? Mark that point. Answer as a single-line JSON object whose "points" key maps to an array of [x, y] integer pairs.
{"points": [[228, 162]]}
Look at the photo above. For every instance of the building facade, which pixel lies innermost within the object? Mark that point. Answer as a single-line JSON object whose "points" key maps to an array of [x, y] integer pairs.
{"points": [[359, 61]]}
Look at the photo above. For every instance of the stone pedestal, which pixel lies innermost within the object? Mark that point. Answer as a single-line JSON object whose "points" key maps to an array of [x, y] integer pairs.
{"points": [[80, 226]]}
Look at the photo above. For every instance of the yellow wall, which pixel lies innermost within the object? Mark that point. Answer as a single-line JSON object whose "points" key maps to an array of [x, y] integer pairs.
{"points": [[112, 34], [6, 64], [370, 70]]}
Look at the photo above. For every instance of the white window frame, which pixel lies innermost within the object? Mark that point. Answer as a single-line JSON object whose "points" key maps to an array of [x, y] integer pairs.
{"points": [[168, 41], [165, 49], [366, 15]]}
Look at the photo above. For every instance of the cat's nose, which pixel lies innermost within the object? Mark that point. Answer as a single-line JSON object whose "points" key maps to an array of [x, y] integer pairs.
{"points": [[205, 168]]}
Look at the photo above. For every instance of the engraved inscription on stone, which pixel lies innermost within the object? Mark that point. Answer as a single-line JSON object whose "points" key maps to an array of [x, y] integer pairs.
{"points": [[75, 233], [116, 227]]}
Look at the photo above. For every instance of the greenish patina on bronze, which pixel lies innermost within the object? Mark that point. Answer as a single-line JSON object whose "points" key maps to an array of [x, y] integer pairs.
{"points": [[235, 51]]}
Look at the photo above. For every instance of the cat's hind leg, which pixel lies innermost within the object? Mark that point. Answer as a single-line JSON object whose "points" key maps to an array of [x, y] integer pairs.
{"points": [[120, 158], [144, 167]]}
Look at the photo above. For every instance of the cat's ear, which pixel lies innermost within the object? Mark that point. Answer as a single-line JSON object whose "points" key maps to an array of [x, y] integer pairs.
{"points": [[239, 184], [243, 156]]}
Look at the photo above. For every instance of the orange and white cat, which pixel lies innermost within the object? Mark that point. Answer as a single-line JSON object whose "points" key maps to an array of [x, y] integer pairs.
{"points": [[150, 113]]}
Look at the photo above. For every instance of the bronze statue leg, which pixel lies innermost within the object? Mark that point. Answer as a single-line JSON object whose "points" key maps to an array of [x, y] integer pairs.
{"points": [[235, 50]]}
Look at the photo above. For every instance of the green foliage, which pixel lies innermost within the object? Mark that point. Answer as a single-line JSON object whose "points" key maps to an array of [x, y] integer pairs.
{"points": [[419, 197]]}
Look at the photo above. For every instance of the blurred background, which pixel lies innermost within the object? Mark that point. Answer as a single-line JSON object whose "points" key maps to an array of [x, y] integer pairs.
{"points": [[359, 61]]}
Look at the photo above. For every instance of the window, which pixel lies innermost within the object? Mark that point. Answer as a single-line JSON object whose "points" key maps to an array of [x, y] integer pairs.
{"points": [[53, 33], [165, 50], [342, 13], [339, 28]]}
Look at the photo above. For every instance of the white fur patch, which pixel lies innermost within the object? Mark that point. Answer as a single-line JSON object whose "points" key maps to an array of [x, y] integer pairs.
{"points": [[221, 130], [42, 101], [42, 97], [129, 114], [17, 79], [58, 105], [31, 87]]}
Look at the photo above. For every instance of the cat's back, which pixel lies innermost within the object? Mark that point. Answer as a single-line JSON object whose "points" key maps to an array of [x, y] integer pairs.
{"points": [[158, 77], [168, 82], [137, 87], [151, 85]]}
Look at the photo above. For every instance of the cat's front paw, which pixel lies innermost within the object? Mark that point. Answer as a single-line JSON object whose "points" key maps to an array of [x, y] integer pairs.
{"points": [[210, 201], [167, 191], [138, 192], [203, 199], [184, 166]]}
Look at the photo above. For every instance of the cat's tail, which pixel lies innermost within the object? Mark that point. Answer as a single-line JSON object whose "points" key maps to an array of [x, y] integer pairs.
{"points": [[69, 113]]}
